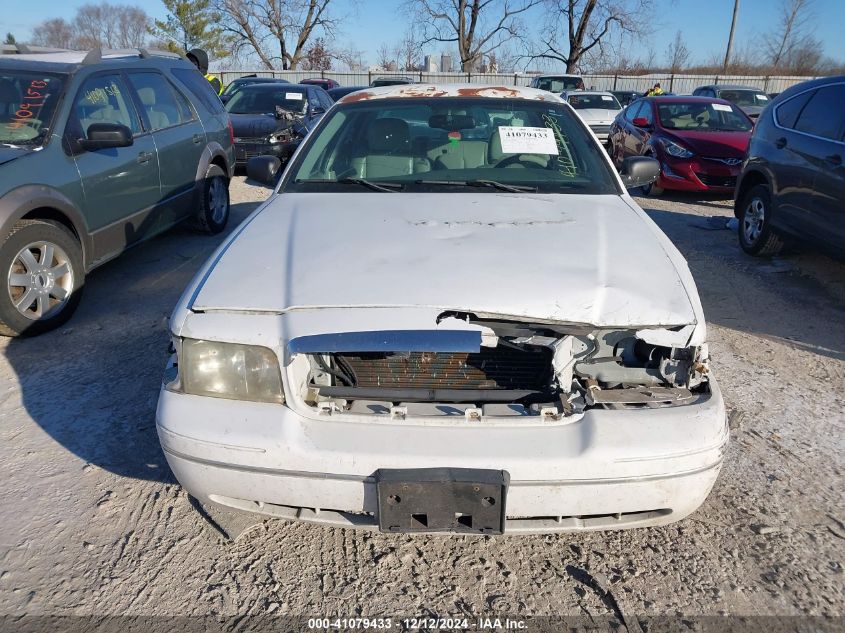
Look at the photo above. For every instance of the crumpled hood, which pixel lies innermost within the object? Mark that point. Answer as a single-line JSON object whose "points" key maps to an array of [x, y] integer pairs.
{"points": [[564, 258], [257, 125], [8, 154]]}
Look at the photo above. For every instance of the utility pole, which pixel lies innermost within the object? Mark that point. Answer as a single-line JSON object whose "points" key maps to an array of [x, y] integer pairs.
{"points": [[731, 37]]}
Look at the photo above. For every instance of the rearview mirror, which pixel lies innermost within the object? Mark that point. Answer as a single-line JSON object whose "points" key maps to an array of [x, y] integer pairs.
{"points": [[638, 171], [264, 169], [106, 135]]}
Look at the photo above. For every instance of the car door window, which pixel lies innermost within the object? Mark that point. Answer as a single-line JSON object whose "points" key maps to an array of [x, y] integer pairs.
{"points": [[821, 116], [158, 100], [645, 112], [633, 111], [787, 112], [104, 99]]}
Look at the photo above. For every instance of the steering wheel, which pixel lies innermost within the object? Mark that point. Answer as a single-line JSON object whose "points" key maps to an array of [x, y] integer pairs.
{"points": [[517, 159]]}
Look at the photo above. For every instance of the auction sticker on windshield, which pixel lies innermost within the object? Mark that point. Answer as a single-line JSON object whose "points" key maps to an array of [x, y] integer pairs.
{"points": [[527, 140], [722, 107], [293, 95]]}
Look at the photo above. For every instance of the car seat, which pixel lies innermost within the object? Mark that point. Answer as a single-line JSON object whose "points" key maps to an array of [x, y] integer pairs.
{"points": [[388, 152], [158, 118]]}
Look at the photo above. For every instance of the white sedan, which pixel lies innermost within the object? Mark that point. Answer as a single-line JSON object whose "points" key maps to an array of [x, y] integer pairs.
{"points": [[596, 109], [450, 316]]}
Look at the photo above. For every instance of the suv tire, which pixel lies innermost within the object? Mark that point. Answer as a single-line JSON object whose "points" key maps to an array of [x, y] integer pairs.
{"points": [[43, 277], [756, 236], [213, 212]]}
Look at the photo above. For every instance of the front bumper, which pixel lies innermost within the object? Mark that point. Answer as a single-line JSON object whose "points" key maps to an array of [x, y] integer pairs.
{"points": [[608, 470], [245, 151], [698, 175]]}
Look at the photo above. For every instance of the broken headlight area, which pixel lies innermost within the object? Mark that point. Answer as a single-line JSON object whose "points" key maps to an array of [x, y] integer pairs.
{"points": [[516, 370]]}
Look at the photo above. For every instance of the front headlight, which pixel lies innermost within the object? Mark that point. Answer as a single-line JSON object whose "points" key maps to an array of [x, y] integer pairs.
{"points": [[229, 370], [281, 137], [673, 149]]}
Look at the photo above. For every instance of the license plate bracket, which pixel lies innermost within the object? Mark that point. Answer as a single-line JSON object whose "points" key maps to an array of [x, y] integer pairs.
{"points": [[459, 500]]}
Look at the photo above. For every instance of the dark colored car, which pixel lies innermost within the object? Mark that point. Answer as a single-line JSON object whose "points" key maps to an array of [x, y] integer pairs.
{"points": [[699, 142], [99, 151], [626, 97], [391, 81], [751, 100], [239, 83], [338, 93], [793, 182], [269, 119], [325, 84]]}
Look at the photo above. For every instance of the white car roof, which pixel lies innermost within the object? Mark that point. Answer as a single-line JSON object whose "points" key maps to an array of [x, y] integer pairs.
{"points": [[449, 90]]}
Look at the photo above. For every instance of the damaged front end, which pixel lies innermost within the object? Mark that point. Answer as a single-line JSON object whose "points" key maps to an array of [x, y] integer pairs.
{"points": [[498, 368]]}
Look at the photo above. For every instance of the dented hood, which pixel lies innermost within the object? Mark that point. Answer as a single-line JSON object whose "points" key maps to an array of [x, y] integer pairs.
{"points": [[564, 258]]}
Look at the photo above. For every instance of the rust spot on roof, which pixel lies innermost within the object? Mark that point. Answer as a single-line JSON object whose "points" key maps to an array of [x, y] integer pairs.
{"points": [[482, 90], [360, 95], [428, 91]]}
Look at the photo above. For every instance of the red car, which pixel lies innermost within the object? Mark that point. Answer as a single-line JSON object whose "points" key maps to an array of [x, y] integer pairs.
{"points": [[699, 141], [325, 84]]}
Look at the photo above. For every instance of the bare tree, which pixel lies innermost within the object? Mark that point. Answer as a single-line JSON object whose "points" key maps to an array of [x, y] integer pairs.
{"points": [[677, 54], [793, 23], [110, 26], [278, 31], [478, 27], [576, 27], [384, 57], [56, 32], [408, 51], [101, 25], [352, 58]]}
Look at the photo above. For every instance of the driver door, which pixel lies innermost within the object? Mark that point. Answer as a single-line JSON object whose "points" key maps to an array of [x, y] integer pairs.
{"points": [[120, 185]]}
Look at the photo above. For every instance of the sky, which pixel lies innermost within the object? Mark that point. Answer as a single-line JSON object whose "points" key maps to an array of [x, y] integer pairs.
{"points": [[704, 24]]}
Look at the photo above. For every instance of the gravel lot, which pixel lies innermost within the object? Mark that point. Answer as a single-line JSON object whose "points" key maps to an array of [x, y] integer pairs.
{"points": [[92, 521]]}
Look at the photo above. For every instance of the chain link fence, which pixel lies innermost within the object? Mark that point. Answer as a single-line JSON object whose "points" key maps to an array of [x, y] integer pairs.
{"points": [[677, 83]]}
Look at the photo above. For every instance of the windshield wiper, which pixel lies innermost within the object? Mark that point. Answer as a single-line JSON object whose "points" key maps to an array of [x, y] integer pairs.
{"points": [[493, 184], [387, 187]]}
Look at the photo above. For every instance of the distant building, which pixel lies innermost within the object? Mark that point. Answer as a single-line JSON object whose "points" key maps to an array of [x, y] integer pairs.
{"points": [[445, 63], [429, 64]]}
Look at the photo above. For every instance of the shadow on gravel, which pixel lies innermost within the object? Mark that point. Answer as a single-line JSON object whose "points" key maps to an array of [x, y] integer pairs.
{"points": [[789, 298], [93, 384]]}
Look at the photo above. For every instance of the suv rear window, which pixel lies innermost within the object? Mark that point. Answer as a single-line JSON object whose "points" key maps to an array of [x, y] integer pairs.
{"points": [[821, 116], [200, 88]]}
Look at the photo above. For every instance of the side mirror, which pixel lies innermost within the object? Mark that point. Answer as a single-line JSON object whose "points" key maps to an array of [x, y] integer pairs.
{"points": [[106, 135], [318, 110], [638, 171], [264, 169], [225, 98], [640, 121]]}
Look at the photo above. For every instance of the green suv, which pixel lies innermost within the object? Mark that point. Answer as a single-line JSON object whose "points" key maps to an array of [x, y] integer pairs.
{"points": [[98, 152]]}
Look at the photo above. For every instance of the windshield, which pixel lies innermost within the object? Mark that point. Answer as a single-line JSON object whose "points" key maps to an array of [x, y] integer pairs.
{"points": [[255, 100], [559, 84], [459, 144], [714, 117], [745, 97], [27, 104], [596, 102]]}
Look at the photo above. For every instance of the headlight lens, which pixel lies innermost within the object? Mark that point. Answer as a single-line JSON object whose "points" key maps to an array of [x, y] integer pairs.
{"points": [[673, 149], [230, 370], [278, 138]]}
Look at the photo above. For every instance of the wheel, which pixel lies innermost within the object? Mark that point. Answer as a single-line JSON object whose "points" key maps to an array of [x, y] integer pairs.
{"points": [[213, 212], [41, 263], [756, 236]]}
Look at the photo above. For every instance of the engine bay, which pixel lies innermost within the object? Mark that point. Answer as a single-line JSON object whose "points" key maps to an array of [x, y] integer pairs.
{"points": [[520, 369]]}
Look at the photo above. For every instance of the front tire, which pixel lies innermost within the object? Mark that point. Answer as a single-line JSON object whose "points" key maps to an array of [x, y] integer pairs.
{"points": [[213, 212], [756, 236], [43, 277]]}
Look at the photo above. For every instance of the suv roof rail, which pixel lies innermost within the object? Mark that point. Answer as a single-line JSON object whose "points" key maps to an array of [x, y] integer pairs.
{"points": [[25, 49], [96, 55]]}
